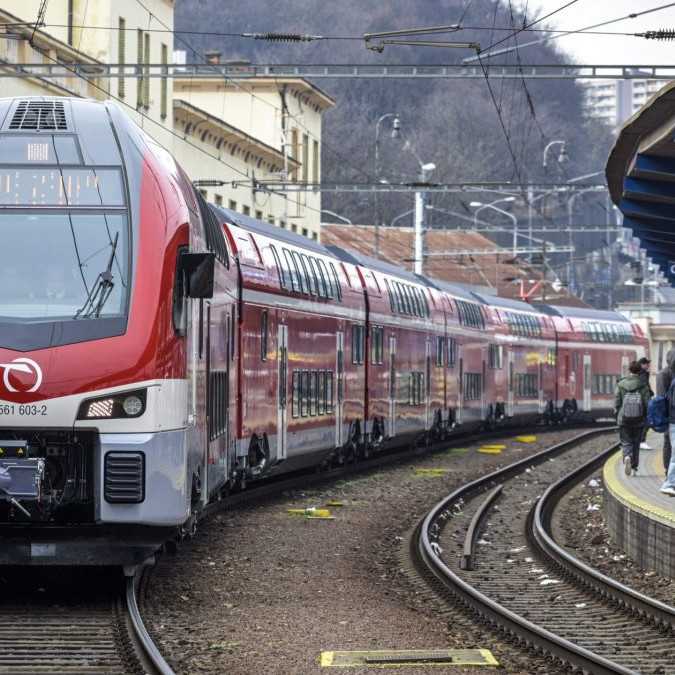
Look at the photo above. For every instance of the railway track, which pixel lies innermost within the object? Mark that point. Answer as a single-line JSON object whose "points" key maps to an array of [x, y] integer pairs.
{"points": [[491, 545], [47, 627]]}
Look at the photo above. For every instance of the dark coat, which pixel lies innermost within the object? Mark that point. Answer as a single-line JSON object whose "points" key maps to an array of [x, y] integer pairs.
{"points": [[630, 383], [665, 376]]}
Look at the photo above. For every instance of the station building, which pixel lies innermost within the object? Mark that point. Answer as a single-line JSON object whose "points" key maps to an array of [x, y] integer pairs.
{"points": [[228, 132]]}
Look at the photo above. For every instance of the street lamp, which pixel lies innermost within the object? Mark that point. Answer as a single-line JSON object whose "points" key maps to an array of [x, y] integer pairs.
{"points": [[395, 133], [337, 215], [480, 206], [562, 155]]}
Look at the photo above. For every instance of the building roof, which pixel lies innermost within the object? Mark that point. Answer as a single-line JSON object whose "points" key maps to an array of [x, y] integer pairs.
{"points": [[641, 174], [472, 259], [231, 136]]}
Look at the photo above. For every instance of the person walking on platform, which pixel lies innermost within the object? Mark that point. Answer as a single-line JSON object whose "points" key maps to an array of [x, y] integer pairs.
{"points": [[644, 376], [664, 379], [630, 407]]}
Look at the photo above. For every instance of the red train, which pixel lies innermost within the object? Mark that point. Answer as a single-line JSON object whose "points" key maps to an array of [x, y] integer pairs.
{"points": [[157, 352]]}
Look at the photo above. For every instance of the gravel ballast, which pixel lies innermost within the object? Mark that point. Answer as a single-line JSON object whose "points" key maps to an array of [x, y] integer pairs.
{"points": [[259, 590]]}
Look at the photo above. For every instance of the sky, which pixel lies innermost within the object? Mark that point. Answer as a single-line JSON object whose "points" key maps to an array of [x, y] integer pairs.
{"points": [[609, 49]]}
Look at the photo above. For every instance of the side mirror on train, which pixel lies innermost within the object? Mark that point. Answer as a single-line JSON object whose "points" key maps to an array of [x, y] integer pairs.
{"points": [[198, 272]]}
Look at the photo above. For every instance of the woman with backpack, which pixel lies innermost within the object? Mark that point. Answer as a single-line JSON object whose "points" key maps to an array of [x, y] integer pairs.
{"points": [[630, 407]]}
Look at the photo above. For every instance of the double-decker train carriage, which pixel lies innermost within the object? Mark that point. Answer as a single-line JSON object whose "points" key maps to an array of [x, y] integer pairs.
{"points": [[157, 352]]}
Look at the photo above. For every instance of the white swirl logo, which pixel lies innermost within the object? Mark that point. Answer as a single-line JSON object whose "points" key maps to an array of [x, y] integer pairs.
{"points": [[22, 365]]}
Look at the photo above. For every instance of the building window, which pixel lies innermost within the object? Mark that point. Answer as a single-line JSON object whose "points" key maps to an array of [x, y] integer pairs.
{"points": [[139, 60], [315, 163], [246, 210], [259, 215], [165, 82], [270, 219], [305, 231], [232, 205], [218, 199], [305, 158], [315, 236], [295, 153], [121, 55], [294, 227], [282, 224], [146, 69]]}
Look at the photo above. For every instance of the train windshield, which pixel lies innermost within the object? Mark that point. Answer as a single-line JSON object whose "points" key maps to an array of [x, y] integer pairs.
{"points": [[63, 265]]}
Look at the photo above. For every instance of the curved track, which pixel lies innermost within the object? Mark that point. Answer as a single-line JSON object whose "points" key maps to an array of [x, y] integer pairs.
{"points": [[82, 622], [521, 580]]}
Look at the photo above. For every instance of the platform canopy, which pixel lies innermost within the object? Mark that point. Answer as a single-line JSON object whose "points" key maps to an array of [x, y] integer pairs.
{"points": [[641, 177]]}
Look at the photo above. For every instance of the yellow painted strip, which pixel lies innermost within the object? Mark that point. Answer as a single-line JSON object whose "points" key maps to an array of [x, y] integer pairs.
{"points": [[326, 659], [622, 493], [319, 517], [490, 451], [460, 658], [526, 439], [317, 513], [431, 472], [335, 503], [496, 446]]}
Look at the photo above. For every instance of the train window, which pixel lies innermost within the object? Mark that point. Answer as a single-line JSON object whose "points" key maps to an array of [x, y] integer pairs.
{"points": [[336, 281], [263, 336], [180, 303], [407, 301], [296, 394], [304, 393], [329, 391], [415, 300], [526, 385], [213, 232], [358, 333], [312, 283], [495, 356], [389, 294], [326, 279], [376, 345], [302, 276], [473, 386], [320, 282], [281, 273], [313, 394], [451, 349], [321, 392], [217, 403], [292, 270], [425, 304], [439, 350]]}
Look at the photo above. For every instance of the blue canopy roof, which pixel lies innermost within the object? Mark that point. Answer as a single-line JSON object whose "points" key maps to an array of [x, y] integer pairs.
{"points": [[641, 177]]}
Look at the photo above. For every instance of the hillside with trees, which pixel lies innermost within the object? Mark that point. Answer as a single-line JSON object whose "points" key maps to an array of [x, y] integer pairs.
{"points": [[441, 118]]}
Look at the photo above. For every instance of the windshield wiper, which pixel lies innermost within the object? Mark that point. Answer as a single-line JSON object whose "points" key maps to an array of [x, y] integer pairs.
{"points": [[100, 291]]}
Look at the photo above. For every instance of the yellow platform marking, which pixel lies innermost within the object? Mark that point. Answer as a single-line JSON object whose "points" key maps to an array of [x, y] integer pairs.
{"points": [[434, 473], [460, 657], [489, 450], [334, 503], [310, 513], [495, 446], [622, 492], [526, 439]]}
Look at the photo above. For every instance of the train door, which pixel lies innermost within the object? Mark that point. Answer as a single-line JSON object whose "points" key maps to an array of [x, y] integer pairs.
{"points": [[392, 386], [510, 360], [282, 393], [587, 379], [625, 360], [427, 393], [483, 392], [460, 388], [340, 384]]}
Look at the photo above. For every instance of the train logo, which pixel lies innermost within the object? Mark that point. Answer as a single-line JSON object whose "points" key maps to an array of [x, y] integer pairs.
{"points": [[26, 366]]}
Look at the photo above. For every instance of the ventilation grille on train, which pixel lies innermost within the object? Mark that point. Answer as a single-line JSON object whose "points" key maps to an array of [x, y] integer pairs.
{"points": [[39, 116], [124, 478]]}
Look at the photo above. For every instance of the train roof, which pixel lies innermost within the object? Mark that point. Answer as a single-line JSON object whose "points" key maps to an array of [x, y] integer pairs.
{"points": [[507, 303], [581, 313], [356, 258], [452, 289], [272, 231]]}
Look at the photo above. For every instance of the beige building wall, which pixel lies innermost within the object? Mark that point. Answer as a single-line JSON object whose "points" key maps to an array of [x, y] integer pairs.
{"points": [[284, 114], [147, 101]]}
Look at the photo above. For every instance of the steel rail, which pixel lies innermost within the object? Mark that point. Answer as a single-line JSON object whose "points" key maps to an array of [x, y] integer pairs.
{"points": [[643, 605], [514, 624], [466, 563], [142, 640]]}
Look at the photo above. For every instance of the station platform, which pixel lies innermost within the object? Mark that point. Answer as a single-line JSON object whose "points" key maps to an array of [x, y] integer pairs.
{"points": [[640, 519]]}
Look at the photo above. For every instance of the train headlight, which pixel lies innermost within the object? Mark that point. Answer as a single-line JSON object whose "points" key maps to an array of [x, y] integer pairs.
{"points": [[132, 406], [123, 405]]}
